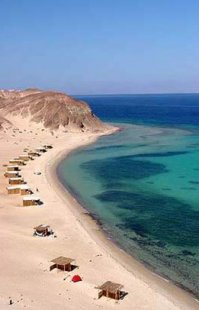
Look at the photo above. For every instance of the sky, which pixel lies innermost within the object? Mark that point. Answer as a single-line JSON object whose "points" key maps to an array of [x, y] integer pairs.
{"points": [[100, 46]]}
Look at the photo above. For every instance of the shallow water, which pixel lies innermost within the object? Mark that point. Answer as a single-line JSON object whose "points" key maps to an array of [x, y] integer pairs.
{"points": [[142, 183]]}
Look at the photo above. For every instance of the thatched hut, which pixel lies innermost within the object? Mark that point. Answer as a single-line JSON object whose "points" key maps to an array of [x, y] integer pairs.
{"points": [[25, 190], [31, 200], [42, 230], [17, 161], [12, 174], [34, 154], [48, 146], [25, 157], [13, 168], [13, 189], [62, 263], [21, 189], [110, 289], [17, 180], [41, 150]]}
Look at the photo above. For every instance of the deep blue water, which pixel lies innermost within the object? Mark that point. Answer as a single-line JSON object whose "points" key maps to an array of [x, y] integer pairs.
{"points": [[175, 110], [142, 183]]}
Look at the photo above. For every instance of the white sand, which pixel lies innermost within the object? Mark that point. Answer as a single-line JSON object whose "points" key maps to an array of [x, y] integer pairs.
{"points": [[25, 260]]}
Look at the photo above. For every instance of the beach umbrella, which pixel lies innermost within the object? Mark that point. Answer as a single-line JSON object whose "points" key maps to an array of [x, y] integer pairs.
{"points": [[76, 278]]}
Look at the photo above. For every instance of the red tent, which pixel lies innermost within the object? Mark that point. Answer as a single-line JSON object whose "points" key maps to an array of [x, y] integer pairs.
{"points": [[76, 278]]}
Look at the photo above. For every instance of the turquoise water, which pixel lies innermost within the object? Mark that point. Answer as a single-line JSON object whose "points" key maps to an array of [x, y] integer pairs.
{"points": [[142, 184]]}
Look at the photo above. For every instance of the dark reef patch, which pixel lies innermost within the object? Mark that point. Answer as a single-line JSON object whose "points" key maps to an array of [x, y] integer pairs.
{"points": [[194, 182], [158, 216], [189, 188], [163, 154], [187, 253], [104, 148], [122, 168]]}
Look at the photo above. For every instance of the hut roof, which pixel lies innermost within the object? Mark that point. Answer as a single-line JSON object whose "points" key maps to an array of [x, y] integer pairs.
{"points": [[41, 227], [12, 171], [21, 186], [30, 153], [40, 148], [18, 178], [12, 166], [110, 287], [31, 197], [24, 186], [18, 160], [61, 260], [12, 187]]}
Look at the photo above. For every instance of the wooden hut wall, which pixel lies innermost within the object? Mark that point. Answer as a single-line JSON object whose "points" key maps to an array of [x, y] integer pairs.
{"points": [[24, 158], [16, 181], [12, 168], [17, 162], [64, 267], [24, 191], [13, 191], [115, 295], [11, 175], [27, 203]]}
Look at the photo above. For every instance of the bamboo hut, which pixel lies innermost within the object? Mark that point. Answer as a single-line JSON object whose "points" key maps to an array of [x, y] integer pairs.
{"points": [[12, 174], [17, 161], [62, 263], [41, 150], [11, 168], [25, 190], [110, 289], [34, 154], [24, 157], [13, 189], [42, 230], [19, 189], [48, 146], [31, 200], [18, 180]]}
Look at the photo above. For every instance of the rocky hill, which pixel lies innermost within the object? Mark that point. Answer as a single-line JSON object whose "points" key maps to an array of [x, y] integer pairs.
{"points": [[49, 109]]}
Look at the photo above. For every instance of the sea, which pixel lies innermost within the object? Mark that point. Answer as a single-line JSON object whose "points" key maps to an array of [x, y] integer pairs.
{"points": [[142, 183]]}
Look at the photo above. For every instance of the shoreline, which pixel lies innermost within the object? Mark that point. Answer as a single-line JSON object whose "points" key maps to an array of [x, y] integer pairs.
{"points": [[106, 234], [26, 259], [169, 288]]}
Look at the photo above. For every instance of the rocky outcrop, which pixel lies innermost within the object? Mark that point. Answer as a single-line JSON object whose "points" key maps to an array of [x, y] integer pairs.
{"points": [[4, 123], [52, 110]]}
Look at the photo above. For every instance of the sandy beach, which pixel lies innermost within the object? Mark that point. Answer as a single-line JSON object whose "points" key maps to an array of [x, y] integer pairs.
{"points": [[25, 260]]}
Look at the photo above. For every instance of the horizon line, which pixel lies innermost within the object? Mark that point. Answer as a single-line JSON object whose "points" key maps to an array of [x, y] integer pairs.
{"points": [[137, 94]]}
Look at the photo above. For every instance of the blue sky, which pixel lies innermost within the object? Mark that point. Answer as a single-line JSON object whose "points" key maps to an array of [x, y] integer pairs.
{"points": [[100, 46]]}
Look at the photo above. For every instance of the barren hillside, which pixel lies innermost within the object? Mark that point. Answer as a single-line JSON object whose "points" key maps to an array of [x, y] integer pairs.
{"points": [[52, 110]]}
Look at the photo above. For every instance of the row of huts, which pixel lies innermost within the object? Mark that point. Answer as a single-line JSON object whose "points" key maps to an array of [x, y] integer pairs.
{"points": [[17, 185]]}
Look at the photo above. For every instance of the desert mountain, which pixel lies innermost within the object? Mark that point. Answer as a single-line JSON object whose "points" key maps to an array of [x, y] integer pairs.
{"points": [[49, 109]]}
